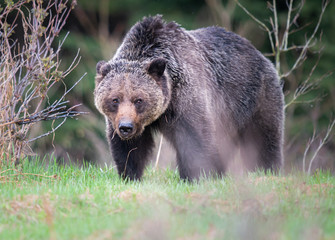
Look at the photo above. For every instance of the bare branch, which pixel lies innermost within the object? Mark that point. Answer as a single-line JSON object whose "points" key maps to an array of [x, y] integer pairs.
{"points": [[260, 23], [321, 144], [287, 28], [275, 28], [310, 141], [307, 85], [48, 133], [29, 71], [308, 43]]}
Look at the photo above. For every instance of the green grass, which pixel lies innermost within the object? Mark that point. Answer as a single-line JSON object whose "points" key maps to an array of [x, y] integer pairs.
{"points": [[92, 203]]}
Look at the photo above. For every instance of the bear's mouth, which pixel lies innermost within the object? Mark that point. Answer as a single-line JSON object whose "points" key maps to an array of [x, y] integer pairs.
{"points": [[126, 134], [126, 129]]}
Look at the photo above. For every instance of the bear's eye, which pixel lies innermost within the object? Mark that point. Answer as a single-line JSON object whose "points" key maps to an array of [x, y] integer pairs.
{"points": [[115, 100], [139, 105], [138, 101], [112, 105]]}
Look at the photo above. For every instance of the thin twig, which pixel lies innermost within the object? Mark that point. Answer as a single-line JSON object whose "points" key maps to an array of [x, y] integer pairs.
{"points": [[321, 144], [47, 133], [259, 23], [125, 166], [307, 45], [287, 28], [276, 35], [12, 169], [29, 174], [310, 141], [159, 152]]}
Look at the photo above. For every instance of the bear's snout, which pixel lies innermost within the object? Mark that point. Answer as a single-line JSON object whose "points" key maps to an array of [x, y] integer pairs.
{"points": [[126, 129]]}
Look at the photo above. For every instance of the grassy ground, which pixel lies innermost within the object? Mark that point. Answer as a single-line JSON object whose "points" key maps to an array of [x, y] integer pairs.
{"points": [[93, 203]]}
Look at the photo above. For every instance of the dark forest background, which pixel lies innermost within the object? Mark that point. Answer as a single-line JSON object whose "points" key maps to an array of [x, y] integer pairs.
{"points": [[98, 27]]}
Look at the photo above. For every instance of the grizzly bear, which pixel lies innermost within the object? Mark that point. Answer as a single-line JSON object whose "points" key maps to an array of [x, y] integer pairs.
{"points": [[208, 91]]}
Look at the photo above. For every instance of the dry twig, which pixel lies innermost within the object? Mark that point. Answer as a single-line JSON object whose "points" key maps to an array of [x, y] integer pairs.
{"points": [[29, 69], [322, 142], [280, 44]]}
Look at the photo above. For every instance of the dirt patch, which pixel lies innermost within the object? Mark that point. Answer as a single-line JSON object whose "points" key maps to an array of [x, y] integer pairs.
{"points": [[310, 190], [127, 195], [25, 202], [29, 206], [266, 179]]}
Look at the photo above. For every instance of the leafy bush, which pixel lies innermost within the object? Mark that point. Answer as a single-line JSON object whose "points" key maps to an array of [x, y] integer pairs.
{"points": [[30, 71]]}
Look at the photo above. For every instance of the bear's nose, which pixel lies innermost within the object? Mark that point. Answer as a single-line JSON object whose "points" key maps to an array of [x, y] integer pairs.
{"points": [[126, 128]]}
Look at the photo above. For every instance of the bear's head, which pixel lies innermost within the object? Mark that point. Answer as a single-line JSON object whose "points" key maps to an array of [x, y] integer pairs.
{"points": [[132, 95]]}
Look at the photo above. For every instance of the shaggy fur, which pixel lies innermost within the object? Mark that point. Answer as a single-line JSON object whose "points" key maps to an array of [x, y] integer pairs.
{"points": [[208, 91]]}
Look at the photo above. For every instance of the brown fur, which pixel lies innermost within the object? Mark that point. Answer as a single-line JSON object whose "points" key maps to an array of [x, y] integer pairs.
{"points": [[208, 91]]}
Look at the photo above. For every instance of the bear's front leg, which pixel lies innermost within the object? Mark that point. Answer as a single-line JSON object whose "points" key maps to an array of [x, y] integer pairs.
{"points": [[131, 156]]}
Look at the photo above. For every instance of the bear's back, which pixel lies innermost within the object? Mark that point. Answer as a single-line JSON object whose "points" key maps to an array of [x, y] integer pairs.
{"points": [[232, 57], [240, 72], [228, 47]]}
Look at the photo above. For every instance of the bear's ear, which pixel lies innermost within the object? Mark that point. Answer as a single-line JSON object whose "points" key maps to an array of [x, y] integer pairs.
{"points": [[103, 68], [99, 65], [157, 67]]}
